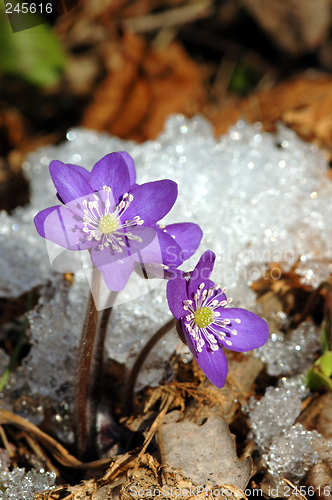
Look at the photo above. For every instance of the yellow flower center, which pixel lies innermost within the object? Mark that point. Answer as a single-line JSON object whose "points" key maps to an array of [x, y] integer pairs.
{"points": [[203, 317], [108, 224]]}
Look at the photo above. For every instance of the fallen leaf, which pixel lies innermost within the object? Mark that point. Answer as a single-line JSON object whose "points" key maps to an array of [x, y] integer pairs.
{"points": [[143, 86], [304, 104], [206, 453], [319, 478], [297, 26]]}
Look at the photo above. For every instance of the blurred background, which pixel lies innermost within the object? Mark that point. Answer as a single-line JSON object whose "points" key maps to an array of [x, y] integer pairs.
{"points": [[122, 66]]}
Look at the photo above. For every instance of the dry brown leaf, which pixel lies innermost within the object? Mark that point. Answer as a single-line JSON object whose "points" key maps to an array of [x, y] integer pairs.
{"points": [[12, 129], [144, 85], [82, 491], [320, 479], [304, 104], [206, 454], [297, 26]]}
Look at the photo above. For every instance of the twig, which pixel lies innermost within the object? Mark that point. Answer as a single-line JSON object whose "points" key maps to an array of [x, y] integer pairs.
{"points": [[58, 451], [161, 445], [6, 444], [38, 451], [157, 422], [173, 17], [298, 491], [131, 382]]}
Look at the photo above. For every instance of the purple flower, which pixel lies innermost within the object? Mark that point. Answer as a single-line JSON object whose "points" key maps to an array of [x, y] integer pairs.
{"points": [[106, 212], [207, 324]]}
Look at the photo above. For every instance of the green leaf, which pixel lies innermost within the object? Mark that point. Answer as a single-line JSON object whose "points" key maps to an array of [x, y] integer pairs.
{"points": [[325, 363], [319, 375], [34, 54], [244, 77]]}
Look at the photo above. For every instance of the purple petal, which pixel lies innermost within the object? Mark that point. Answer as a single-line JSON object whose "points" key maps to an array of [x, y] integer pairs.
{"points": [[187, 235], [201, 273], [252, 331], [81, 170], [170, 250], [176, 292], [111, 171], [147, 249], [152, 201], [60, 225], [70, 184], [212, 363], [116, 268], [131, 166]]}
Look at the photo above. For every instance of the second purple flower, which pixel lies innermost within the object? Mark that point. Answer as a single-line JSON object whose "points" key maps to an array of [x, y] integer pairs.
{"points": [[207, 324]]}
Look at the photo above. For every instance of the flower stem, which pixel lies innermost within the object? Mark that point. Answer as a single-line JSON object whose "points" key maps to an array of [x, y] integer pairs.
{"points": [[85, 419], [97, 373], [131, 382]]}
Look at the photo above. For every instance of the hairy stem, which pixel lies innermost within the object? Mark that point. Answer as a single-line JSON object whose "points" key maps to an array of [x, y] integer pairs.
{"points": [[96, 377], [85, 419], [131, 382]]}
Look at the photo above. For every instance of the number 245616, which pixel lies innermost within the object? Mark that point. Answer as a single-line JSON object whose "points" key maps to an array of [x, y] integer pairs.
{"points": [[24, 8]]}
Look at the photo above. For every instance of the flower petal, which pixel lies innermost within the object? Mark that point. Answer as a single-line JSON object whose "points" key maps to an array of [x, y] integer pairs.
{"points": [[81, 170], [170, 250], [116, 268], [111, 171], [252, 330], [187, 235], [70, 184], [212, 363], [201, 273], [142, 240], [60, 225], [131, 166], [176, 293], [152, 201]]}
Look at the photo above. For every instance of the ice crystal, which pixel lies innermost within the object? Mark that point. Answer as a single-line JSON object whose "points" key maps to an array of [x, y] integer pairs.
{"points": [[292, 453], [276, 411], [291, 355], [20, 485]]}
